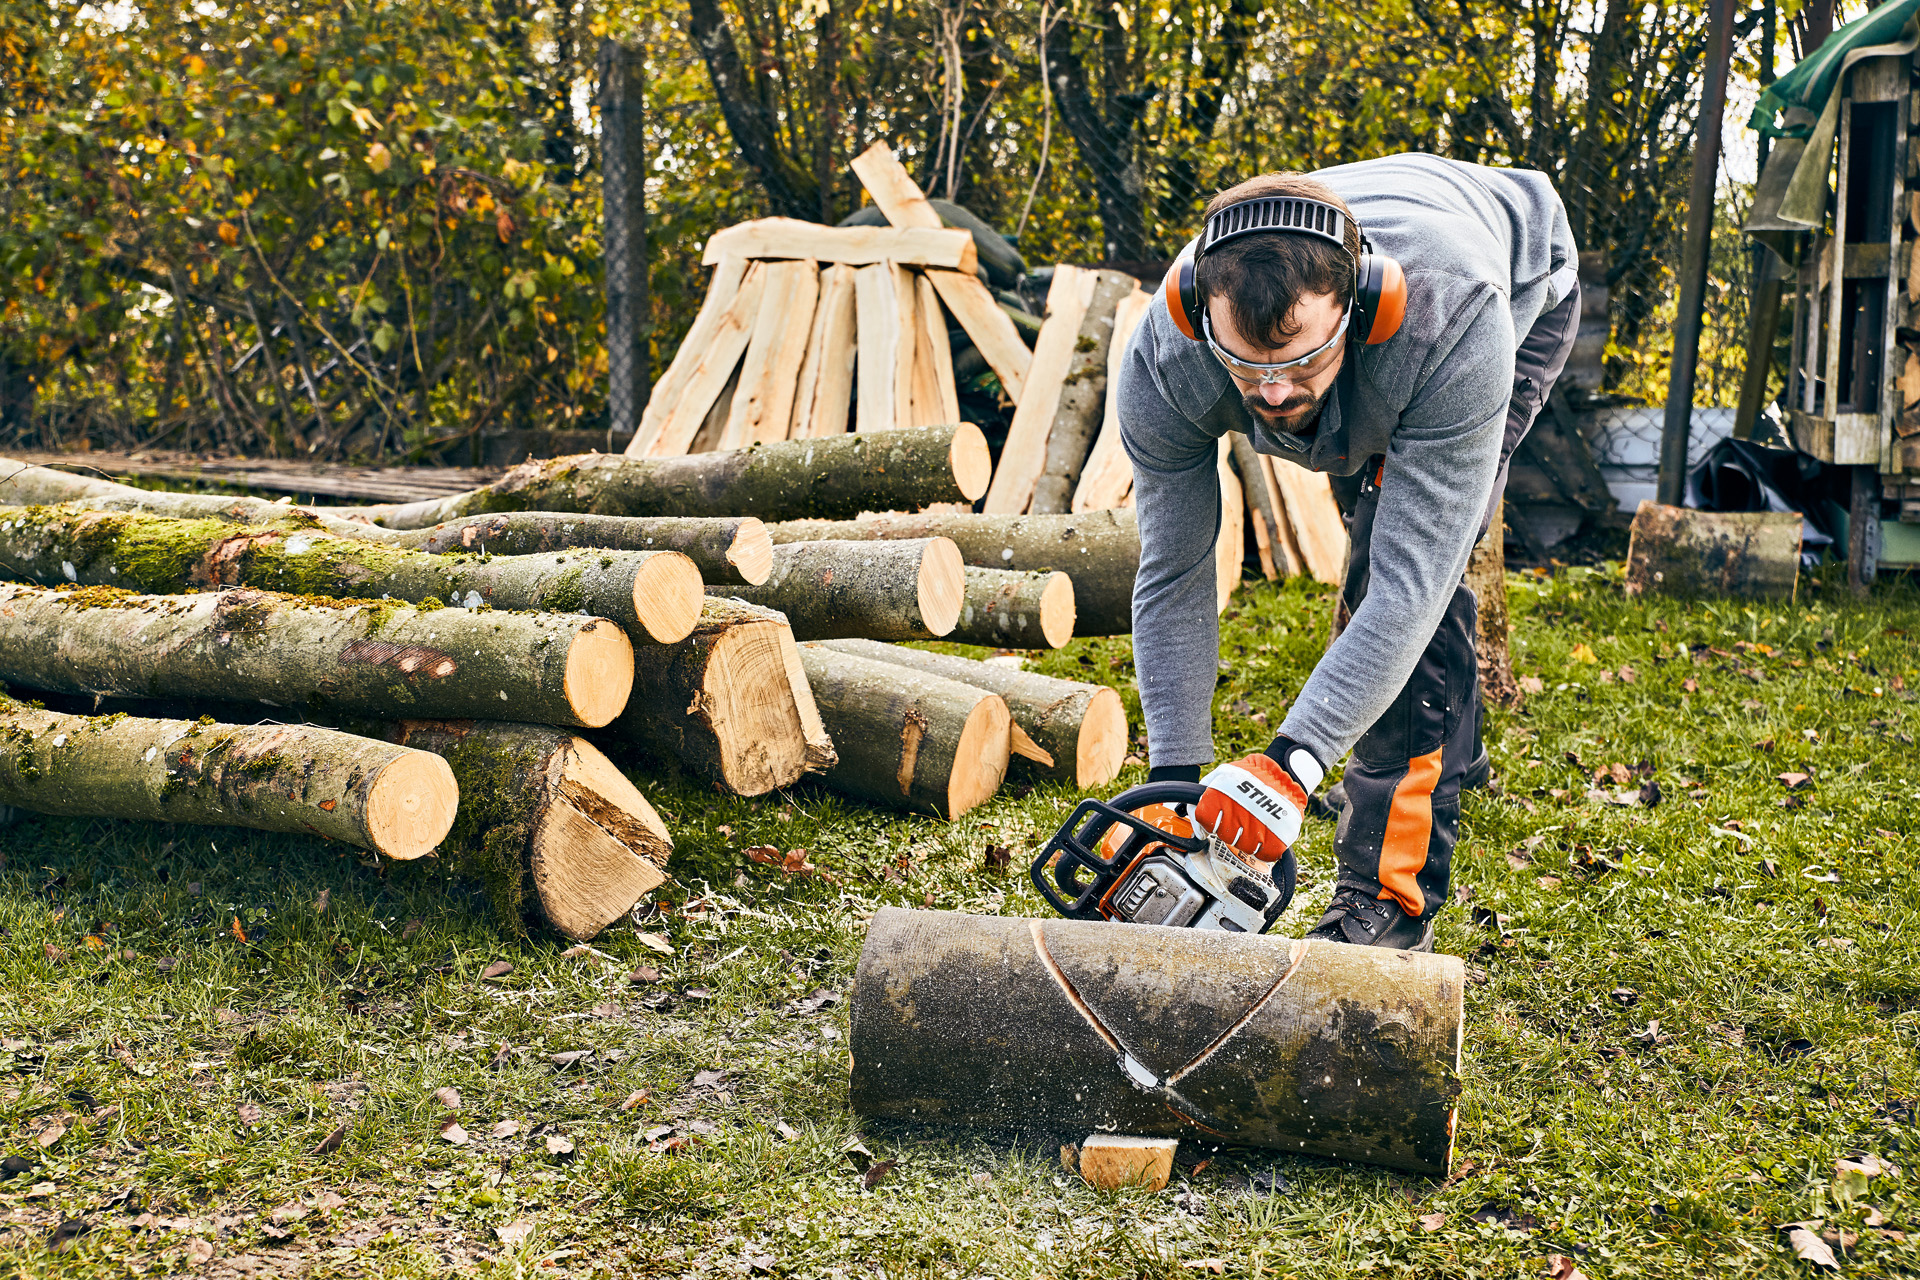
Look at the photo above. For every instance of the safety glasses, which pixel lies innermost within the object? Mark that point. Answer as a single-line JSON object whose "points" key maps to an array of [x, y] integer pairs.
{"points": [[1293, 371]]}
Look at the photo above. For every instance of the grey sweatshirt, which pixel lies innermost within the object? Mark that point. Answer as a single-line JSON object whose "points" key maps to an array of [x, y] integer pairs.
{"points": [[1478, 246]]}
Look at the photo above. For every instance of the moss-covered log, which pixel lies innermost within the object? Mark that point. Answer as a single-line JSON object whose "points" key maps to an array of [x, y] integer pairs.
{"points": [[907, 739], [350, 656], [1099, 550], [1317, 1048], [906, 590], [654, 596], [391, 799], [1015, 609], [826, 476], [1079, 730], [726, 549]]}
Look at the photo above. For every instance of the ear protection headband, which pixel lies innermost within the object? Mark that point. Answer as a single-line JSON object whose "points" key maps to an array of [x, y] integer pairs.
{"points": [[1379, 285]]}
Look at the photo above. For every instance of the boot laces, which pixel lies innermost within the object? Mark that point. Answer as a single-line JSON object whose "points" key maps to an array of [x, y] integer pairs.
{"points": [[1352, 900]]}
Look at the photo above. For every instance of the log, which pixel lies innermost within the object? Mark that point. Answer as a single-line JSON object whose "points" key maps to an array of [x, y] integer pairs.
{"points": [[715, 367], [1016, 609], [825, 390], [1083, 396], [654, 596], [725, 549], [1230, 550], [836, 476], [694, 348], [909, 740], [350, 656], [1080, 730], [1314, 518], [1099, 550], [721, 704], [906, 590], [1750, 555], [792, 238], [1024, 456], [762, 409], [1108, 476], [1263, 497], [297, 779], [1316, 1048], [1487, 579], [939, 401]]}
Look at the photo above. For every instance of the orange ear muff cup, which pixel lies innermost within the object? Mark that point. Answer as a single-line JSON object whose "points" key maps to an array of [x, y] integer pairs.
{"points": [[1182, 295], [1384, 293]]}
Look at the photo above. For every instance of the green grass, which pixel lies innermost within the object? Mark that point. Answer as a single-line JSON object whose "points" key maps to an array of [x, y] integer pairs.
{"points": [[1770, 933]]}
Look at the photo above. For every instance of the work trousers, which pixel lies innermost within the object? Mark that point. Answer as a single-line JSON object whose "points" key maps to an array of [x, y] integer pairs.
{"points": [[1402, 816]]}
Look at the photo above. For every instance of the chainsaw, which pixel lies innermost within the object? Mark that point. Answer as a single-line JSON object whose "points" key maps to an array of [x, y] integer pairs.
{"points": [[1139, 859]]}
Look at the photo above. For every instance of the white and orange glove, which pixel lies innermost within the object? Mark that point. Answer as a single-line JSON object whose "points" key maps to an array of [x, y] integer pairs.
{"points": [[1255, 804]]}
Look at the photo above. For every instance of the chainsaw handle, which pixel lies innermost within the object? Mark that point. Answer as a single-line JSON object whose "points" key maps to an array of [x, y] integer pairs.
{"points": [[1077, 844]]}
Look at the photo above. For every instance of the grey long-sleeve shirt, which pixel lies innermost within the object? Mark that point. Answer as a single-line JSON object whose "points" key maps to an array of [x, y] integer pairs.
{"points": [[1478, 246]]}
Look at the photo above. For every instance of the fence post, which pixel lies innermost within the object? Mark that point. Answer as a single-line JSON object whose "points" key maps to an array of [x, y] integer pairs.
{"points": [[623, 181]]}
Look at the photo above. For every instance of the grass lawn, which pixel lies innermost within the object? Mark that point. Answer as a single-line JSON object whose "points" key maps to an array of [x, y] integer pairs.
{"points": [[221, 1050]]}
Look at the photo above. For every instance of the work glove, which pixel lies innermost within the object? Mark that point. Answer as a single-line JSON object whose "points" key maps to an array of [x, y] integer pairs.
{"points": [[1255, 804]]}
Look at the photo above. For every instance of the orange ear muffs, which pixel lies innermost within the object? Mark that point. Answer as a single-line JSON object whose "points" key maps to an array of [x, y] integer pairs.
{"points": [[1182, 293], [1380, 296]]}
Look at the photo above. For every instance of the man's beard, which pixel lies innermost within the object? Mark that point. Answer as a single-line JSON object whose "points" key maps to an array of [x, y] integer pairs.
{"points": [[1296, 415]]}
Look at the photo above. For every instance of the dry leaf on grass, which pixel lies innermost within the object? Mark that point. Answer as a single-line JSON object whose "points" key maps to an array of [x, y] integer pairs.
{"points": [[559, 1146], [51, 1134], [247, 1113], [872, 1177], [506, 1128], [1561, 1267], [514, 1234], [643, 975], [634, 1099], [332, 1141], [448, 1097], [450, 1131], [498, 969], [1432, 1221], [1809, 1247], [1583, 652], [199, 1252], [1532, 684], [656, 942]]}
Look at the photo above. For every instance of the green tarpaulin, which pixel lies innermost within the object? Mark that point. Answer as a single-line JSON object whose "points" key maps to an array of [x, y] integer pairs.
{"points": [[1811, 83]]}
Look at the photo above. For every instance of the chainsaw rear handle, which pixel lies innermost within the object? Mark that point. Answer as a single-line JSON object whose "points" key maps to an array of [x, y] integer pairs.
{"points": [[1078, 844]]}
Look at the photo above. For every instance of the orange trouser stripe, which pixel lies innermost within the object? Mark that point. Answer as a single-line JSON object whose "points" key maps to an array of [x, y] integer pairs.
{"points": [[1409, 833]]}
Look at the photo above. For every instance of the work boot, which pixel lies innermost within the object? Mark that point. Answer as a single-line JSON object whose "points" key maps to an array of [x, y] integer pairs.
{"points": [[1355, 916]]}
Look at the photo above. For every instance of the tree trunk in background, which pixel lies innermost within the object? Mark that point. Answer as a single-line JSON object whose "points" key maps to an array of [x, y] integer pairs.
{"points": [[792, 191], [1105, 126]]}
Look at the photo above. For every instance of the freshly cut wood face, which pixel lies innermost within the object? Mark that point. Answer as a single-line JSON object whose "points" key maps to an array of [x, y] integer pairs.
{"points": [[980, 759], [971, 460], [792, 238], [598, 847], [411, 805], [752, 551], [1103, 739], [1057, 610], [599, 674], [667, 593], [716, 359], [749, 704], [1111, 1160], [893, 188], [943, 585], [990, 328]]}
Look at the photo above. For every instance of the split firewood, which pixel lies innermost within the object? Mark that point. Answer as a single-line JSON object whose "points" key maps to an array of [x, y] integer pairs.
{"points": [[1314, 519], [904, 590], [762, 408], [909, 740], [792, 238], [1099, 550], [1016, 609], [791, 479], [1070, 732], [825, 390], [1024, 457], [368, 657], [654, 596], [715, 368], [1107, 478], [935, 398], [883, 371], [1083, 396], [1230, 549], [1263, 500], [296, 779], [699, 342], [723, 548]]}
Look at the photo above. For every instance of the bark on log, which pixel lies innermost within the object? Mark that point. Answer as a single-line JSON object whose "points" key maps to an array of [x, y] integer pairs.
{"points": [[907, 739], [906, 590], [1011, 609], [1099, 550], [654, 596], [1263, 496], [1750, 555], [297, 779], [1080, 729], [1487, 579], [1023, 458], [1316, 1048], [790, 479], [721, 704], [725, 549], [1107, 478], [1083, 397]]}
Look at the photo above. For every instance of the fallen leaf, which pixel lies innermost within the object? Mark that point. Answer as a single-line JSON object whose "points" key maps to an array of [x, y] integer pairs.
{"points": [[41, 1190], [332, 1141], [498, 969], [1519, 861], [709, 1079], [1870, 1165], [1810, 1248], [199, 1252], [1215, 1265], [998, 857], [292, 1211], [764, 854], [1432, 1221], [559, 1146], [872, 1177], [655, 941], [448, 1097], [1561, 1267], [327, 1202], [506, 1128], [643, 975], [450, 1131], [248, 1113], [1532, 684], [634, 1099], [1690, 685], [1625, 996], [760, 1261], [51, 1134], [605, 1011], [1583, 652], [1548, 882], [857, 1154], [1793, 781], [786, 1131], [514, 1234], [569, 1058]]}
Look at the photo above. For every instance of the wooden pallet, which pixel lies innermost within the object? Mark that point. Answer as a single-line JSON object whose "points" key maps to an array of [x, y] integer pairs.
{"points": [[301, 479]]}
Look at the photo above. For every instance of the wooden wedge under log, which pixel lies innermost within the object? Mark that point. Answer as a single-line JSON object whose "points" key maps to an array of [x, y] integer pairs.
{"points": [[1024, 457], [885, 347], [1016, 609], [716, 363], [792, 479], [825, 390], [906, 739], [1077, 733], [1316, 1048], [1107, 477], [1314, 518], [694, 348], [1083, 396], [1099, 550], [654, 596], [367, 657], [792, 238], [762, 409], [297, 779], [905, 590], [1231, 547], [725, 549]]}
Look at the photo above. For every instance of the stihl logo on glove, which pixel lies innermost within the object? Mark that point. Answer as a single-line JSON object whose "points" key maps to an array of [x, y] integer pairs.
{"points": [[1254, 805]]}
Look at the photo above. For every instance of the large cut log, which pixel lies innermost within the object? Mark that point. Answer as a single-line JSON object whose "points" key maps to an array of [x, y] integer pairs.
{"points": [[1099, 550], [1317, 1048], [1107, 478], [792, 479], [721, 704], [1314, 518], [297, 779], [1016, 609], [1083, 395], [1075, 733], [1751, 555], [723, 548], [715, 368], [694, 347], [353, 656], [825, 390], [909, 740], [907, 590], [654, 596], [792, 238], [1024, 457], [762, 408]]}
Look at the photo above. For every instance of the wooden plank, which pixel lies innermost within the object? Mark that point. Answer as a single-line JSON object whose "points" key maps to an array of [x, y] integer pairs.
{"points": [[1296, 564], [763, 406], [1108, 475], [1675, 551], [906, 352], [1026, 448], [990, 327], [672, 386], [892, 188], [1315, 520], [1231, 548], [713, 369], [825, 388], [933, 329], [880, 332], [706, 438], [792, 238]]}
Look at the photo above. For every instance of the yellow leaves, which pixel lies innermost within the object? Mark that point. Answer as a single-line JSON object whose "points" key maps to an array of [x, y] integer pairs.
{"points": [[280, 47], [426, 164], [196, 65], [318, 243], [229, 234], [512, 169], [379, 159], [503, 225], [362, 118], [1583, 652], [264, 99]]}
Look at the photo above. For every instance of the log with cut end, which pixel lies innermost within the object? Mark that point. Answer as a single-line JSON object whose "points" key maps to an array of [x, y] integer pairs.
{"points": [[1083, 396], [297, 779], [1674, 551], [1317, 1048], [1011, 609], [790, 479], [1099, 550], [654, 596], [725, 549], [906, 590], [908, 739], [722, 704], [352, 656], [1075, 733]]}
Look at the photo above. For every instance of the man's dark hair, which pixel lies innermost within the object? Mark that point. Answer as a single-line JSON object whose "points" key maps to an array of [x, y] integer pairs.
{"points": [[1263, 276]]}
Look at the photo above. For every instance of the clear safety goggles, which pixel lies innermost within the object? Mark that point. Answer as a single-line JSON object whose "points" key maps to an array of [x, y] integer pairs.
{"points": [[1291, 371]]}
